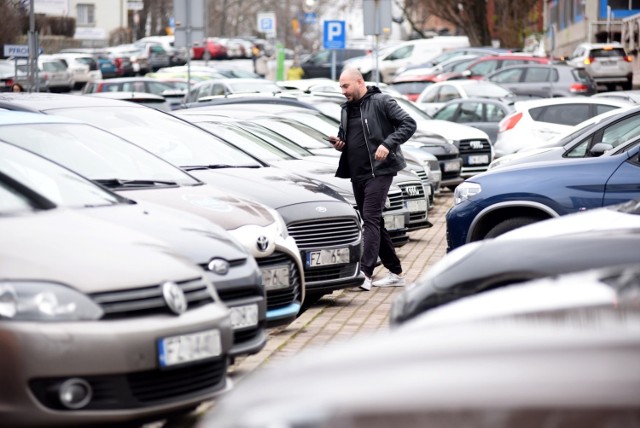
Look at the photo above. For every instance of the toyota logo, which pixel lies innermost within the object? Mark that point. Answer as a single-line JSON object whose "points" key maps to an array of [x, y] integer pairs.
{"points": [[263, 243], [175, 298]]}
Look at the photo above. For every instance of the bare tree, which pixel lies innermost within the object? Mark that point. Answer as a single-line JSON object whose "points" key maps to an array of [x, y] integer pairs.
{"points": [[11, 27], [470, 15], [514, 18]]}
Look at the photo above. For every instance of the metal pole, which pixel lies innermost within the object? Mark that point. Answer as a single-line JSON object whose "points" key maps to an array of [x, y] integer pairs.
{"points": [[33, 50], [206, 30], [190, 43], [333, 64]]}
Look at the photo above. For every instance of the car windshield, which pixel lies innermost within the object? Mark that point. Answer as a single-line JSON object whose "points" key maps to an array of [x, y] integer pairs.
{"points": [[303, 135], [12, 202], [170, 138], [489, 91], [324, 124], [257, 86], [276, 139], [59, 185], [94, 153]]}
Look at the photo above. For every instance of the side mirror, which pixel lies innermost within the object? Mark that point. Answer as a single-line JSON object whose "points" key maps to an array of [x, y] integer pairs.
{"points": [[599, 148], [467, 73]]}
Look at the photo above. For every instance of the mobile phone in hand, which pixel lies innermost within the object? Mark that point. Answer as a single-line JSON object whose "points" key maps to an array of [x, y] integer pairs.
{"points": [[329, 139]]}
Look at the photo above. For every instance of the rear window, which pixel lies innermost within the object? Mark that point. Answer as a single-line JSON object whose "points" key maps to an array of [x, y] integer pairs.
{"points": [[53, 66], [563, 114], [607, 53], [580, 75]]}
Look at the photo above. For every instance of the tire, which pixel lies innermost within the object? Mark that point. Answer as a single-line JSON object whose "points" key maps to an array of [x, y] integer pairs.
{"points": [[509, 224], [628, 85], [310, 299]]}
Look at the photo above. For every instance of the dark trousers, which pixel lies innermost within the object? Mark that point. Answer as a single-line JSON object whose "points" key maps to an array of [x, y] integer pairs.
{"points": [[371, 195]]}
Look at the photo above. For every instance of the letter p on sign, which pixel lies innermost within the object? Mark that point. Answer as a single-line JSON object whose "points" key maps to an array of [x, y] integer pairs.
{"points": [[334, 35]]}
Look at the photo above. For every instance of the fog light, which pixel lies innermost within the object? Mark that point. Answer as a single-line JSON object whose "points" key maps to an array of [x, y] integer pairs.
{"points": [[75, 393]]}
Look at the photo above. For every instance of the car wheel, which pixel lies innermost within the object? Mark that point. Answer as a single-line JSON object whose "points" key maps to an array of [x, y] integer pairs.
{"points": [[508, 225], [628, 85], [310, 299], [611, 87]]}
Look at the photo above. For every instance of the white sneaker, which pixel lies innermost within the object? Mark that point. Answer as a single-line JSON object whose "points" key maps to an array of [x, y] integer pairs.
{"points": [[392, 280], [366, 285]]}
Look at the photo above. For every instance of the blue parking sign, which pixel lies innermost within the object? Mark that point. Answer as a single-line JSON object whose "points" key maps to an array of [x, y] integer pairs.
{"points": [[335, 35], [267, 23]]}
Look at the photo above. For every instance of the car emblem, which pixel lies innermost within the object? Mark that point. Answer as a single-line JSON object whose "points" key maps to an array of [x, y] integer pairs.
{"points": [[387, 203], [476, 144], [263, 243], [412, 190], [321, 209], [175, 298], [219, 266]]}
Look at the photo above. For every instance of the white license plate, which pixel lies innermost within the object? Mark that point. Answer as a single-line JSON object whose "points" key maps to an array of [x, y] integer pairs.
{"points": [[452, 166], [244, 316], [333, 256], [275, 278], [417, 205], [394, 222], [478, 160], [186, 348]]}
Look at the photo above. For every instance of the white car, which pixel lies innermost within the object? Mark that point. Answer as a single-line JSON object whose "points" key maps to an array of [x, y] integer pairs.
{"points": [[433, 97], [535, 122], [607, 63], [83, 67]]}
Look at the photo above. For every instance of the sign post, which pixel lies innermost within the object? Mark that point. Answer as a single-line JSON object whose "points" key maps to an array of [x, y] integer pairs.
{"points": [[334, 37], [377, 19], [189, 22]]}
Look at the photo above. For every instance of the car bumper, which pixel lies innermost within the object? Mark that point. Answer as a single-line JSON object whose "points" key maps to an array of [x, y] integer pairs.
{"points": [[116, 357]]}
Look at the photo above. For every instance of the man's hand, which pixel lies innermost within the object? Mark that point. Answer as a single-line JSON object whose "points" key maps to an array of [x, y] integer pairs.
{"points": [[381, 153], [338, 144]]}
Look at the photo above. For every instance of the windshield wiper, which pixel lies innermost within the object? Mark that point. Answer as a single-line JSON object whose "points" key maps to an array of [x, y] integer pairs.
{"points": [[216, 166], [117, 182]]}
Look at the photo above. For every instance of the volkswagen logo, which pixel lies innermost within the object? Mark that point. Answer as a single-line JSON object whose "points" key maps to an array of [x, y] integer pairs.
{"points": [[476, 144], [174, 297], [263, 243], [219, 266], [321, 209], [412, 190]]}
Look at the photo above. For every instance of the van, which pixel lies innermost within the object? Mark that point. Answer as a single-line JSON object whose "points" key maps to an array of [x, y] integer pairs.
{"points": [[408, 53]]}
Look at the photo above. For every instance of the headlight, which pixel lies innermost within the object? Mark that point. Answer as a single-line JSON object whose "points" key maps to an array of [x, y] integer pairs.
{"points": [[465, 190], [282, 226], [45, 301]]}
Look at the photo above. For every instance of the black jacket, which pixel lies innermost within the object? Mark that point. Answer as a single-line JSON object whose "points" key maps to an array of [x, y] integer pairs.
{"points": [[383, 122]]}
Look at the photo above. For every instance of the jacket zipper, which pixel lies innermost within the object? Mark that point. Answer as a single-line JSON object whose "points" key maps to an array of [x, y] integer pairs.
{"points": [[366, 141]]}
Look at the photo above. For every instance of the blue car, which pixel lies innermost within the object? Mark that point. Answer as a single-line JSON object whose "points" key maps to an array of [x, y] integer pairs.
{"points": [[500, 200]]}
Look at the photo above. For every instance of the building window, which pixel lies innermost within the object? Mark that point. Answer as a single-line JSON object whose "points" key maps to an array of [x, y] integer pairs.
{"points": [[86, 14]]}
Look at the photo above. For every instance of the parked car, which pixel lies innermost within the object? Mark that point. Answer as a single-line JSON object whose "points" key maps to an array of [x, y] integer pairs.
{"points": [[547, 248], [56, 76], [177, 55], [143, 98], [632, 96], [571, 365], [129, 84], [607, 63], [137, 58], [434, 96], [603, 135], [146, 177], [80, 346], [106, 62], [504, 199], [83, 67], [319, 64], [155, 53], [544, 81], [482, 113], [451, 54], [536, 121], [490, 63], [213, 48], [10, 74], [227, 86], [326, 226]]}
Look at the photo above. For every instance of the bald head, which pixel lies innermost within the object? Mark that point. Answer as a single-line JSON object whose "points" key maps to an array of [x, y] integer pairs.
{"points": [[352, 84]]}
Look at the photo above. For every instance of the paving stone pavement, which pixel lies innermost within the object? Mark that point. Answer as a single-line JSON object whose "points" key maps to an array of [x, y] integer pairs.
{"points": [[345, 313]]}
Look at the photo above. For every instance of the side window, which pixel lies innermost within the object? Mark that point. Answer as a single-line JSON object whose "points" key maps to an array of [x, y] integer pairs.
{"points": [[217, 89], [447, 112], [580, 150], [494, 113], [567, 114], [602, 108], [447, 93], [539, 74], [431, 95], [321, 57], [510, 62], [400, 53], [507, 76], [470, 112], [485, 67], [622, 131]]}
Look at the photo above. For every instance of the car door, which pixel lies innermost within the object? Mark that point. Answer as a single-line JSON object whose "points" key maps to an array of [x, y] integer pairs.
{"points": [[614, 134], [538, 81], [623, 185], [509, 79]]}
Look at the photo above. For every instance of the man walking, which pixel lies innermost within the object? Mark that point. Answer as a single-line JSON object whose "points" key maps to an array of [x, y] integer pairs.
{"points": [[372, 128]]}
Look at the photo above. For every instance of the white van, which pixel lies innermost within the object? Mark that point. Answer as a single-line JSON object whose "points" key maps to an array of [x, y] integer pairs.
{"points": [[407, 53]]}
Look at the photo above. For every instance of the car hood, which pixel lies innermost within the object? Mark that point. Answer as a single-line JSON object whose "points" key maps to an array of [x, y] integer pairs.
{"points": [[87, 253], [227, 211], [530, 155], [195, 237], [273, 187]]}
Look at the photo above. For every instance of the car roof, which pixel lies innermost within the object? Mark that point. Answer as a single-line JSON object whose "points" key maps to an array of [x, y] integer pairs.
{"points": [[43, 101], [528, 104], [22, 118]]}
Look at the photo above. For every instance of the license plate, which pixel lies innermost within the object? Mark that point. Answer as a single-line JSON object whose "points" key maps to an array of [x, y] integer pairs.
{"points": [[333, 256], [478, 160], [275, 278], [452, 166], [417, 205], [394, 222], [244, 316], [186, 348]]}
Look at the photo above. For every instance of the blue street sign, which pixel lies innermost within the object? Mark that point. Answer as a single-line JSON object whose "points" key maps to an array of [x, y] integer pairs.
{"points": [[310, 18], [335, 35]]}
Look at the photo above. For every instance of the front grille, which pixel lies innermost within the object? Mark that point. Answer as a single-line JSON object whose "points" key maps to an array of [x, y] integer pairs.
{"points": [[237, 293], [149, 300], [314, 234], [474, 147], [135, 390], [243, 336], [395, 201], [328, 273], [412, 190], [423, 176], [281, 298]]}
